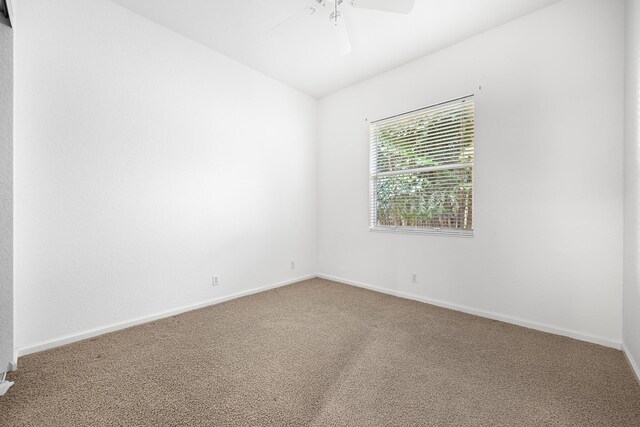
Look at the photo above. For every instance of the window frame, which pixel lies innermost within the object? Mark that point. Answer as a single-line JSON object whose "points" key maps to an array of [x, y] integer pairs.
{"points": [[454, 232]]}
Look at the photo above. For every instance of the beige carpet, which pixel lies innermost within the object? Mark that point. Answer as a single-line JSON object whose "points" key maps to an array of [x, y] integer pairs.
{"points": [[324, 354]]}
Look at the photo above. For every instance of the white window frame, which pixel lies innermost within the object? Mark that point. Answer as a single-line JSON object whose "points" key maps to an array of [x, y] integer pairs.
{"points": [[456, 232]]}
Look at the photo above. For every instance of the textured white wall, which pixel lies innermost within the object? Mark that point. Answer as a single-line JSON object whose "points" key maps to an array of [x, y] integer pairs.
{"points": [[6, 197], [631, 307], [548, 215], [147, 163]]}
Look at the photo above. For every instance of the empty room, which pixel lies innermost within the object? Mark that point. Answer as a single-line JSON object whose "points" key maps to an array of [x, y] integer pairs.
{"points": [[319, 213]]}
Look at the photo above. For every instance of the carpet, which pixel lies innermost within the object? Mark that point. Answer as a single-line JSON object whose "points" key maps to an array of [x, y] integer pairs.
{"points": [[320, 353]]}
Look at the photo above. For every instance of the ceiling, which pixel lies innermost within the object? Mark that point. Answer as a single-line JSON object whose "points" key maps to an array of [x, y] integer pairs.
{"points": [[302, 52]]}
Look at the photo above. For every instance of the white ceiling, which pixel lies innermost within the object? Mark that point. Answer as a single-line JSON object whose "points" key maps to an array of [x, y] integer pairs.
{"points": [[302, 51]]}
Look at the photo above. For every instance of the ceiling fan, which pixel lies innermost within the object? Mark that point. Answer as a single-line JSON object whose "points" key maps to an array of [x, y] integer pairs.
{"points": [[337, 18]]}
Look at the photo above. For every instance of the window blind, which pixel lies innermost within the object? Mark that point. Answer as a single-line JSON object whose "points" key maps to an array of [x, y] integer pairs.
{"points": [[421, 177]]}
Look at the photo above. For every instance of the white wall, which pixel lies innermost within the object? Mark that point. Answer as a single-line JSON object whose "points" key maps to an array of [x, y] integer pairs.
{"points": [[548, 179], [145, 163], [6, 196], [631, 292]]}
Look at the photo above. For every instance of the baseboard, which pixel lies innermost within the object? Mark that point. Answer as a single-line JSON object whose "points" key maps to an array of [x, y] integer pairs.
{"points": [[632, 362], [482, 313], [68, 339]]}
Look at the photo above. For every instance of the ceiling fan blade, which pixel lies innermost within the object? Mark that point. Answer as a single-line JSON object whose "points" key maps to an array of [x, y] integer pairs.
{"points": [[309, 10], [396, 6], [342, 35]]}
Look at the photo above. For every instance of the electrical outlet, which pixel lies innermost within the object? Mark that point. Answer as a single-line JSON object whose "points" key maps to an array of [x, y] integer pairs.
{"points": [[293, 265], [215, 281], [414, 278]]}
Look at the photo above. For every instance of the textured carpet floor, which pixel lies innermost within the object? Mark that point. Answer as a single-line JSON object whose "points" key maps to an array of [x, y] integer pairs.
{"points": [[320, 353]]}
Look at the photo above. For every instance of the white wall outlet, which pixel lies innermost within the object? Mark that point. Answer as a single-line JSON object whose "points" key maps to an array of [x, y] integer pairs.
{"points": [[215, 280], [293, 265], [414, 278]]}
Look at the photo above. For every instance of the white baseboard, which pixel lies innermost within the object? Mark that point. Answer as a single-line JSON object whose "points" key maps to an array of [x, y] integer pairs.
{"points": [[482, 313], [632, 362], [67, 339]]}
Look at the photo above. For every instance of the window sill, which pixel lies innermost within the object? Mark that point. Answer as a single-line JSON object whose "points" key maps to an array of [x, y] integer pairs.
{"points": [[427, 231]]}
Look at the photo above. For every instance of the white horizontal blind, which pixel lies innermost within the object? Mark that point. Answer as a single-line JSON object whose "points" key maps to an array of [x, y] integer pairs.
{"points": [[422, 170]]}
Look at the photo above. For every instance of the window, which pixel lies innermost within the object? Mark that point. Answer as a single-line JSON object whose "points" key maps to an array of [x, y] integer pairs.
{"points": [[422, 170]]}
